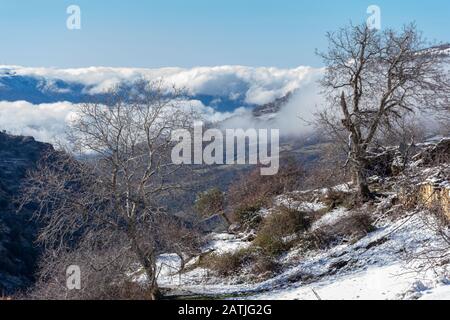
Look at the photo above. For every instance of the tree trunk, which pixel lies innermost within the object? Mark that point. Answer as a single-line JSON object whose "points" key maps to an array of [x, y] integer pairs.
{"points": [[149, 269], [360, 170], [154, 292], [363, 185]]}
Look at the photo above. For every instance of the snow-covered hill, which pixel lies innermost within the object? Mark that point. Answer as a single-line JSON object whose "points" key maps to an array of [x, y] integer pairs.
{"points": [[372, 268], [403, 255]]}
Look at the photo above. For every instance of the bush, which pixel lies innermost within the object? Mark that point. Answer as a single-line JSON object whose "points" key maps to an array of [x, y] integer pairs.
{"points": [[210, 202], [285, 222], [272, 245], [128, 290], [254, 191], [350, 228], [247, 215], [265, 265], [334, 199], [229, 264]]}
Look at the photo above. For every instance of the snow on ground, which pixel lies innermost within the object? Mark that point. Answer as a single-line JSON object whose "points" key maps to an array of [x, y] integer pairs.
{"points": [[225, 243], [368, 269], [345, 187], [376, 283], [439, 293], [299, 205], [169, 264], [330, 218]]}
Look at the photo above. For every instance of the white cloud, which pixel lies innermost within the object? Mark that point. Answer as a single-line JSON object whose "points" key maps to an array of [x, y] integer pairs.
{"points": [[294, 117], [255, 85], [47, 122], [44, 122]]}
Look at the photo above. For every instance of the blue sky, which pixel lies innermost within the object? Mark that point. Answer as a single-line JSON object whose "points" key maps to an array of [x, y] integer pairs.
{"points": [[187, 33]]}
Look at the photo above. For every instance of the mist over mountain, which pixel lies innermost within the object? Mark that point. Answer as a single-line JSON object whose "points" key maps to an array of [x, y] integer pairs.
{"points": [[40, 101], [224, 87]]}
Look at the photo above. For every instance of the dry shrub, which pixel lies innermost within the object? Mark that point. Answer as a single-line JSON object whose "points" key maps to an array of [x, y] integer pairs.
{"points": [[247, 215], [232, 263], [210, 202], [253, 191], [275, 228], [328, 170], [334, 198], [442, 217], [351, 228], [265, 266], [227, 264], [100, 278], [128, 290], [272, 245]]}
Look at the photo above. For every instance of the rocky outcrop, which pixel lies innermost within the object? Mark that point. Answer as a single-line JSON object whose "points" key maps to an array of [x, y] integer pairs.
{"points": [[434, 154], [391, 161], [435, 194], [271, 107], [18, 252]]}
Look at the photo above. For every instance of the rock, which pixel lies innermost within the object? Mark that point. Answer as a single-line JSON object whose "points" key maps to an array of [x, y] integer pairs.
{"points": [[271, 107], [436, 194], [435, 154]]}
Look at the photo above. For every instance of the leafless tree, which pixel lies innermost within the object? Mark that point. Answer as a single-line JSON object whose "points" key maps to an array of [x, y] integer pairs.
{"points": [[102, 198], [372, 80]]}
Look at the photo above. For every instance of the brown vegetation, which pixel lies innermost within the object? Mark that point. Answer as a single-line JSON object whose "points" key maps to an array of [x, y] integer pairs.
{"points": [[350, 228], [254, 191]]}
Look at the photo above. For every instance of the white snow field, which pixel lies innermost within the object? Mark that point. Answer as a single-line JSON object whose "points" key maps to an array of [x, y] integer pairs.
{"points": [[370, 269]]}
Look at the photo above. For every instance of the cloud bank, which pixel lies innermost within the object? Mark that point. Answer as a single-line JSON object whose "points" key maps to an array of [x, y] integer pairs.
{"points": [[252, 85], [44, 122], [48, 122], [293, 118]]}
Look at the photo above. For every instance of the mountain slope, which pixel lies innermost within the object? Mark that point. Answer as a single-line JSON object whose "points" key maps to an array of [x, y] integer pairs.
{"points": [[18, 252]]}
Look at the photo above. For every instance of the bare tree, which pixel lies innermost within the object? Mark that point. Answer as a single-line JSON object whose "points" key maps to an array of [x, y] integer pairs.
{"points": [[104, 196], [372, 80]]}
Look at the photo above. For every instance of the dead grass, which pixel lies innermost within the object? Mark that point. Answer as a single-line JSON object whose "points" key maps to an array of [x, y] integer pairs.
{"points": [[333, 199], [231, 264]]}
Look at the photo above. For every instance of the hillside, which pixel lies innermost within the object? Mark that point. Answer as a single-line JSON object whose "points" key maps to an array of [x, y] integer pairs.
{"points": [[395, 247], [18, 252]]}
